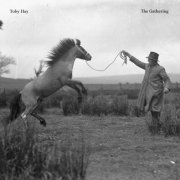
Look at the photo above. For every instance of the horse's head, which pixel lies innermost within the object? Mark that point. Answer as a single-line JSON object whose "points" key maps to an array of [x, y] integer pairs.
{"points": [[81, 52]]}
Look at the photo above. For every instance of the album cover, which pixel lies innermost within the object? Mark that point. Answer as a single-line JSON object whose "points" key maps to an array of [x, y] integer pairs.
{"points": [[85, 66]]}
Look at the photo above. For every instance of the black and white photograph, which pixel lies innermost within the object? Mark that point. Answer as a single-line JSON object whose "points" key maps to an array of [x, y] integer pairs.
{"points": [[89, 90]]}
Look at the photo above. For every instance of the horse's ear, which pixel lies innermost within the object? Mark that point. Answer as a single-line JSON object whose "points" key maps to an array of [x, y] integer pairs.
{"points": [[77, 42]]}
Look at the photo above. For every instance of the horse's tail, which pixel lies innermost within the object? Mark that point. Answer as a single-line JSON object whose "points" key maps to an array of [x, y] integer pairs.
{"points": [[15, 108]]}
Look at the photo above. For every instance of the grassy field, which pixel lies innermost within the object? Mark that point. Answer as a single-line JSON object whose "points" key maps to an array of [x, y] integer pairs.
{"points": [[121, 148]]}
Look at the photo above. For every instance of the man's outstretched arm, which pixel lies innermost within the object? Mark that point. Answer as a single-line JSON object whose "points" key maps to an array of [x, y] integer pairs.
{"points": [[135, 60]]}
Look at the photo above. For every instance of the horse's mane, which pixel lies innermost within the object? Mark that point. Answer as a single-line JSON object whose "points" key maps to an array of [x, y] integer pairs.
{"points": [[57, 52]]}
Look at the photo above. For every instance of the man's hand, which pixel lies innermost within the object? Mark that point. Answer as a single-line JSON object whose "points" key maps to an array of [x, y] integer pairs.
{"points": [[166, 90], [126, 53]]}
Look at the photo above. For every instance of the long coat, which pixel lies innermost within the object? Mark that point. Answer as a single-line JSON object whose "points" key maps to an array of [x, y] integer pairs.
{"points": [[151, 94]]}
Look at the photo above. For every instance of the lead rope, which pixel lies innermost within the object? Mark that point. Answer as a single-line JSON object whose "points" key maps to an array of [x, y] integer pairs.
{"points": [[122, 56]]}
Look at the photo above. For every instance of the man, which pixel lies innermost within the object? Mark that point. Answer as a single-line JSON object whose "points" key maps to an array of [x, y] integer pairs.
{"points": [[155, 83]]}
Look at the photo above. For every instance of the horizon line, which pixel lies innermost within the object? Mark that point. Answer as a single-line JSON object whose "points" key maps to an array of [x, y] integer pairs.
{"points": [[94, 76]]}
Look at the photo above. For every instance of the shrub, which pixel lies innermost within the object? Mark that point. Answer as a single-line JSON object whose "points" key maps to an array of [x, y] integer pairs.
{"points": [[87, 106], [104, 105], [131, 93], [98, 105], [3, 99], [170, 122], [23, 156], [120, 105], [19, 152], [173, 98], [134, 109], [73, 160], [70, 106]]}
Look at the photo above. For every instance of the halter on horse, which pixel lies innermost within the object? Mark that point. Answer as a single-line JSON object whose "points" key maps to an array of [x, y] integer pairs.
{"points": [[58, 74]]}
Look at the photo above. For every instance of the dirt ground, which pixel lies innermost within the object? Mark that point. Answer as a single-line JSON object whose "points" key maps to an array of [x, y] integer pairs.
{"points": [[121, 147]]}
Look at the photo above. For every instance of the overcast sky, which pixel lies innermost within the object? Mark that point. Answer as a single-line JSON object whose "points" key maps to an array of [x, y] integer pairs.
{"points": [[104, 27]]}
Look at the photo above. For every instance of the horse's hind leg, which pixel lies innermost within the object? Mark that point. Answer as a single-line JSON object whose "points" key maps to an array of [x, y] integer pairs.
{"points": [[42, 120], [27, 111], [32, 111]]}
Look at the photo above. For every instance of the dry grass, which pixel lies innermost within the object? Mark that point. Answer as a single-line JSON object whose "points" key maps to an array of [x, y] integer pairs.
{"points": [[121, 147], [24, 156], [99, 105], [170, 120]]}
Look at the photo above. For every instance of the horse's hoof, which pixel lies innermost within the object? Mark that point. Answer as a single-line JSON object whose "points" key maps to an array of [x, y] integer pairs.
{"points": [[43, 123]]}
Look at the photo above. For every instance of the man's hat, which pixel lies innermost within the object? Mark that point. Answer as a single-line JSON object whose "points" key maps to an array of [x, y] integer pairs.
{"points": [[153, 56]]}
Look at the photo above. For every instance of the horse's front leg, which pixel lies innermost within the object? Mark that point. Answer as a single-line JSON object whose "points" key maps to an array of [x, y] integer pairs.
{"points": [[73, 86], [75, 83]]}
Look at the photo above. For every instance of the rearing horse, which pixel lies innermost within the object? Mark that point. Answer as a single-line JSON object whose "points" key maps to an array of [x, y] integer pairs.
{"points": [[57, 75]]}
